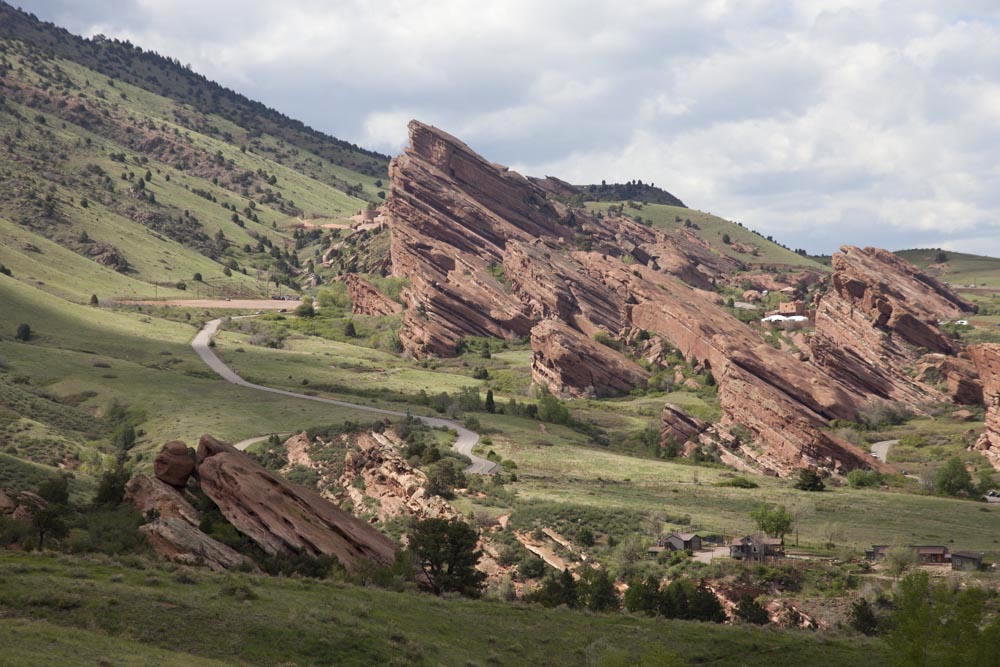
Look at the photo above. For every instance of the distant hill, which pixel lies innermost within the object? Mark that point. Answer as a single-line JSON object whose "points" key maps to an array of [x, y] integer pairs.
{"points": [[629, 191], [959, 269]]}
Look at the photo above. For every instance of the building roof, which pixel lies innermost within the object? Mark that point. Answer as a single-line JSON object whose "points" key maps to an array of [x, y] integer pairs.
{"points": [[687, 537], [931, 549], [975, 555]]}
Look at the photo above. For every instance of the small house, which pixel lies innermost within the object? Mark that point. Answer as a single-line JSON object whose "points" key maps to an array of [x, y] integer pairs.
{"points": [[683, 541], [926, 554], [655, 550], [757, 548], [792, 308], [967, 560]]}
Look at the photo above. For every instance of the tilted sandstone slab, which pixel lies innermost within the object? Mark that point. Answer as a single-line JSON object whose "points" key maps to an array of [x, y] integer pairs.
{"points": [[987, 360], [957, 374], [281, 517], [569, 362], [366, 300], [172, 526], [678, 427], [879, 317]]}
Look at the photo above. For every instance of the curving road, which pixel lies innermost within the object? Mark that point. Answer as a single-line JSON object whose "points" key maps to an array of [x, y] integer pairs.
{"points": [[880, 450], [463, 444]]}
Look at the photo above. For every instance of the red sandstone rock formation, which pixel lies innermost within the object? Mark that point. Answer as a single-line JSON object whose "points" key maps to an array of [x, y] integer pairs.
{"points": [[957, 374], [281, 517], [172, 526], [679, 427], [879, 318], [491, 253], [987, 360], [174, 464], [569, 362], [366, 300]]}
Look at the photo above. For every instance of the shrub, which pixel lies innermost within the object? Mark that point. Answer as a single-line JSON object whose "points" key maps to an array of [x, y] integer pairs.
{"points": [[864, 479], [23, 332], [739, 483], [809, 480]]}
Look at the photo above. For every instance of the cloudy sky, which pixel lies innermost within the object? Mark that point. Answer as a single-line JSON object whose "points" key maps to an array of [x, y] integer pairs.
{"points": [[848, 121]]}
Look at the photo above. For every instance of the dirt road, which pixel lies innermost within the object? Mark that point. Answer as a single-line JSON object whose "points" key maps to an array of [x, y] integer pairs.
{"points": [[463, 444], [235, 304]]}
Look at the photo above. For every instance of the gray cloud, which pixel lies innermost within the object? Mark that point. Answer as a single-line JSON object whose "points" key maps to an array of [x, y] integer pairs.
{"points": [[855, 122]]}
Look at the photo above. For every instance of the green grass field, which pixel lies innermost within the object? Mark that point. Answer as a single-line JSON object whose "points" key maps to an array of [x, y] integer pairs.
{"points": [[90, 610]]}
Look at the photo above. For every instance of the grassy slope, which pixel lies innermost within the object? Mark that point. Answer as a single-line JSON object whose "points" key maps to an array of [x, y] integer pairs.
{"points": [[143, 362], [711, 229], [303, 622], [154, 258], [556, 465], [959, 269]]}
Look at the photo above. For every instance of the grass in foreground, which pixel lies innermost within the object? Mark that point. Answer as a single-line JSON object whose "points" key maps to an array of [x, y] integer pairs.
{"points": [[146, 613]]}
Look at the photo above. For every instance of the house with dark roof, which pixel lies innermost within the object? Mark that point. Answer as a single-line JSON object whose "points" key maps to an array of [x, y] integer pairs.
{"points": [[967, 560], [683, 541], [926, 554], [757, 548]]}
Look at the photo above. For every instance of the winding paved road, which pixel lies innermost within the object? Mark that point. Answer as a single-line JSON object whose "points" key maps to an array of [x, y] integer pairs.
{"points": [[880, 450], [463, 444]]}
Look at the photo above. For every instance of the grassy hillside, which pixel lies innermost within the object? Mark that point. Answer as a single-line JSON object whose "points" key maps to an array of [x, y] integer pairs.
{"points": [[132, 179], [713, 230], [78, 611], [957, 268]]}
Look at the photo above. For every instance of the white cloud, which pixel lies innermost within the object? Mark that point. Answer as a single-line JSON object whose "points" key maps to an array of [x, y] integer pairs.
{"points": [[843, 121]]}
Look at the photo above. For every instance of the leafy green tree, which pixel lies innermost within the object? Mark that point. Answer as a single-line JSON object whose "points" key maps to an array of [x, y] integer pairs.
{"points": [[862, 617], [551, 409], [111, 488], [443, 478], [55, 490], [446, 553], [749, 610], [48, 522], [643, 595], [568, 594], [531, 567], [809, 480], [772, 520], [899, 559], [306, 309], [953, 479], [601, 593]]}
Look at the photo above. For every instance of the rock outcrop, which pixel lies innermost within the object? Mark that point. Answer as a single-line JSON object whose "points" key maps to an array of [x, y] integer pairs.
{"points": [[987, 360], [174, 464], [172, 526], [281, 517], [366, 300], [879, 317], [678, 427], [569, 362], [956, 375], [491, 253], [20, 505]]}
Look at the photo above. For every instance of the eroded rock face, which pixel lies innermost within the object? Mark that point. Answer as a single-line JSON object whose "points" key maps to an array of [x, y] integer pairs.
{"points": [[678, 427], [879, 317], [172, 526], [174, 464], [491, 253], [366, 300], [569, 362], [987, 360], [20, 505], [281, 517], [957, 374]]}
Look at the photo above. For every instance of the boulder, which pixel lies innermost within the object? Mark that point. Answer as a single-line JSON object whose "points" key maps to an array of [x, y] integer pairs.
{"points": [[174, 464], [281, 517], [172, 526], [568, 362]]}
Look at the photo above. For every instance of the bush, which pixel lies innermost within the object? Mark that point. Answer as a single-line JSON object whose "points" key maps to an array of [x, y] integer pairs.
{"points": [[306, 309], [739, 483], [864, 479], [750, 611], [952, 479], [809, 480], [877, 414], [23, 332], [531, 567]]}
